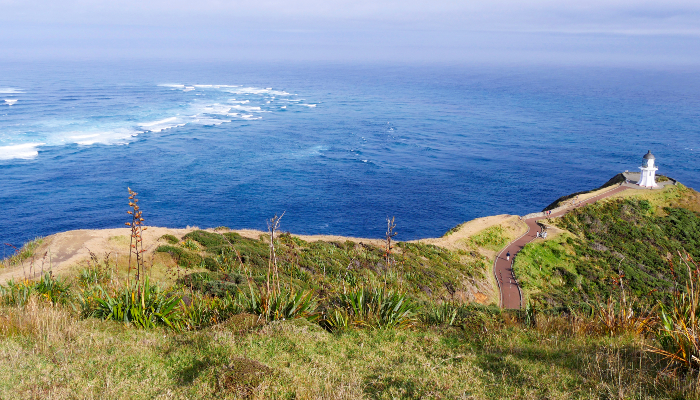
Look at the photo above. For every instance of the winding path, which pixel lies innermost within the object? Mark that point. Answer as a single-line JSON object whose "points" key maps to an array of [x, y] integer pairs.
{"points": [[511, 295]]}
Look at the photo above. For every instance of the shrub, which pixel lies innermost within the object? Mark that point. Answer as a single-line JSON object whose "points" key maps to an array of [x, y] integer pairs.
{"points": [[207, 239], [213, 284], [170, 239], [183, 257]]}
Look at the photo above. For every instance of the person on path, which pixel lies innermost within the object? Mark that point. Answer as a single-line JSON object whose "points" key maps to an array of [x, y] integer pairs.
{"points": [[508, 256]]}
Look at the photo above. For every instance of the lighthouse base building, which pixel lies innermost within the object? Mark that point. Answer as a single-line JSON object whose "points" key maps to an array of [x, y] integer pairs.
{"points": [[648, 171]]}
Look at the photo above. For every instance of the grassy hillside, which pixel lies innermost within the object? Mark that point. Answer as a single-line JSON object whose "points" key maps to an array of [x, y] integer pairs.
{"points": [[634, 241], [423, 271]]}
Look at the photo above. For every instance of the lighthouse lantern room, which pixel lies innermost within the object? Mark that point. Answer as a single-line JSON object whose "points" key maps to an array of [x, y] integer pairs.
{"points": [[648, 171]]}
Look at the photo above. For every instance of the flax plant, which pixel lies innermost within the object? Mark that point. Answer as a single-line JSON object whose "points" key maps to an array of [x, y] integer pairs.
{"points": [[272, 271], [136, 249], [679, 330]]}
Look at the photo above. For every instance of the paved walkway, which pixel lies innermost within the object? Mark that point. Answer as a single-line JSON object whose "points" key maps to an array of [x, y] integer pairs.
{"points": [[511, 296]]}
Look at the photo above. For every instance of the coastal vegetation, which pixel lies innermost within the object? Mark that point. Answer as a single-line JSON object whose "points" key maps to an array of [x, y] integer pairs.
{"points": [[612, 303], [633, 240]]}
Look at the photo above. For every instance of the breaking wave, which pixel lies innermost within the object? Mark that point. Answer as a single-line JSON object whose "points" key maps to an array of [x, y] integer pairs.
{"points": [[23, 151], [196, 104]]}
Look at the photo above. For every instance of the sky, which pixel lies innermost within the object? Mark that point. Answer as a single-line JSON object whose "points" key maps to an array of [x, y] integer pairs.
{"points": [[511, 31]]}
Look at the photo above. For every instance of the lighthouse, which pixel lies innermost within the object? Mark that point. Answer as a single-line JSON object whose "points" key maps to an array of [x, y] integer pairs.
{"points": [[648, 171]]}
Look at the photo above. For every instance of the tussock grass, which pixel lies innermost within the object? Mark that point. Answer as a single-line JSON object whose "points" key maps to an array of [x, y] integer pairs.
{"points": [[248, 357]]}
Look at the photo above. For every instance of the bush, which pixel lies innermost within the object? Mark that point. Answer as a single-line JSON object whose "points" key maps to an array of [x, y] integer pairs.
{"points": [[207, 239], [213, 284], [183, 257], [170, 239]]}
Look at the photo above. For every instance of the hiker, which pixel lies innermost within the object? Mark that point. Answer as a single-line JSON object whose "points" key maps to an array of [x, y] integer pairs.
{"points": [[508, 256]]}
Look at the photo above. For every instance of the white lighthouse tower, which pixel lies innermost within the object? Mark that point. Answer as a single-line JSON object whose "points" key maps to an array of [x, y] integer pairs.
{"points": [[648, 171]]}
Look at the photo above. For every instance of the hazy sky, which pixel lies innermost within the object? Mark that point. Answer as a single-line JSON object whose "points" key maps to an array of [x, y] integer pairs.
{"points": [[591, 31]]}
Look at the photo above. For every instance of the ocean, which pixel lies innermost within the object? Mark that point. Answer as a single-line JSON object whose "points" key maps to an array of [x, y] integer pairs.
{"points": [[337, 147]]}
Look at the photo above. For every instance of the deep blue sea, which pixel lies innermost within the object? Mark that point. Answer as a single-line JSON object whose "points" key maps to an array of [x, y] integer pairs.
{"points": [[337, 147]]}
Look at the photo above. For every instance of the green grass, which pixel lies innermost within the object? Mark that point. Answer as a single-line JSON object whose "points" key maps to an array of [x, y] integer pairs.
{"points": [[631, 236], [47, 352], [546, 271], [492, 238]]}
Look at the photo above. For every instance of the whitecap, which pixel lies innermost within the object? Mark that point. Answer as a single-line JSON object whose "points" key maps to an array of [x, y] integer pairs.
{"points": [[172, 85], [239, 101], [308, 105], [115, 136], [253, 90], [247, 108], [167, 123], [209, 121], [10, 91], [188, 89], [10, 102], [25, 151], [218, 109]]}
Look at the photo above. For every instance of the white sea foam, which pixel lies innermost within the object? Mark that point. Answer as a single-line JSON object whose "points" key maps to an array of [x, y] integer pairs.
{"points": [[308, 105], [114, 136], [253, 90], [172, 85], [163, 124], [208, 121], [25, 151], [217, 106], [246, 108], [216, 109]]}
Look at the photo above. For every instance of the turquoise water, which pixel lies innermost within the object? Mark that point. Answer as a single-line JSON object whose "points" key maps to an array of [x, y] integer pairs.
{"points": [[338, 147]]}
